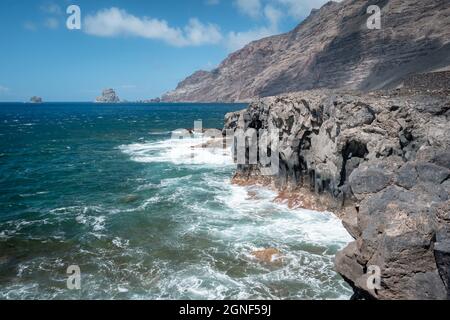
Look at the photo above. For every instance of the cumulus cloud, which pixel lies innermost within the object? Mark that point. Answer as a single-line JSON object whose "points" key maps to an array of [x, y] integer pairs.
{"points": [[251, 8], [272, 15], [117, 22]]}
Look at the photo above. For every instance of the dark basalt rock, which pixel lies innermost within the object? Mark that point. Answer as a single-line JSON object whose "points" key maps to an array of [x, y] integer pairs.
{"points": [[442, 255], [369, 181], [429, 172], [385, 163]]}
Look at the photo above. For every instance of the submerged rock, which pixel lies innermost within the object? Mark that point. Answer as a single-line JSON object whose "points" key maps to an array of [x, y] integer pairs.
{"points": [[270, 255], [383, 161], [130, 198]]}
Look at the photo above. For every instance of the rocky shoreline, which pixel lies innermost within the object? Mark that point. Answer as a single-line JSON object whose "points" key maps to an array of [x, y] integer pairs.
{"points": [[381, 162]]}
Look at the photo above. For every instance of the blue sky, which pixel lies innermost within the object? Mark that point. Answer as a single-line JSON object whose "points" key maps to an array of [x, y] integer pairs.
{"points": [[141, 48]]}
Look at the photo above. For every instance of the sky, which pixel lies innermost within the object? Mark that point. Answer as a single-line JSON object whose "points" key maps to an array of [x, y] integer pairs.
{"points": [[141, 48]]}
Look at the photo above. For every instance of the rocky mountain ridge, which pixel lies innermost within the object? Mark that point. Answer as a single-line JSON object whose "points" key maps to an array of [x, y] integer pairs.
{"points": [[332, 48]]}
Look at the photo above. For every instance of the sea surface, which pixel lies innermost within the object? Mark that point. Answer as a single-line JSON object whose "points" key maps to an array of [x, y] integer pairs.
{"points": [[106, 188]]}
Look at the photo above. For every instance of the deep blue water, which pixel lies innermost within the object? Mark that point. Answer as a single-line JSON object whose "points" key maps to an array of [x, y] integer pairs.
{"points": [[105, 187]]}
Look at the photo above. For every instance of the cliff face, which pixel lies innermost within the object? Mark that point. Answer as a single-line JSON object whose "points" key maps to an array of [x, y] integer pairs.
{"points": [[332, 48], [382, 161]]}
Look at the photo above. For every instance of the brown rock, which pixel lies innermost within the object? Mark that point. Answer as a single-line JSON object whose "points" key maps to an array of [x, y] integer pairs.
{"points": [[270, 255], [333, 48]]}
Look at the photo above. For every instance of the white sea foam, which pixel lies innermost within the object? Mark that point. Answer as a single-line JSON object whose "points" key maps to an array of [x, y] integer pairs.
{"points": [[278, 220], [306, 239], [178, 151], [160, 133], [215, 237]]}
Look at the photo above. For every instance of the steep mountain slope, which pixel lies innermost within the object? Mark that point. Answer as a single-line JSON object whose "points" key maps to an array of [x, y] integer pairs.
{"points": [[332, 48]]}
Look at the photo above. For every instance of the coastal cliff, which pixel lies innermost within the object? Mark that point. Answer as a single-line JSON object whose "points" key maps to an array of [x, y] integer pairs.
{"points": [[381, 162], [333, 48]]}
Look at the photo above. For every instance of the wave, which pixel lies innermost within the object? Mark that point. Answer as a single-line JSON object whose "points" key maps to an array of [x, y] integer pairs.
{"points": [[160, 133], [186, 151]]}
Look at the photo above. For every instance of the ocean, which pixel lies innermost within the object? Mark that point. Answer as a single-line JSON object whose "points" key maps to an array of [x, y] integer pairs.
{"points": [[106, 188]]}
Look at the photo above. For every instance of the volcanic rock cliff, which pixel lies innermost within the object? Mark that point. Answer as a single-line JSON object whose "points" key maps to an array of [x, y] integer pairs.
{"points": [[381, 162], [332, 48]]}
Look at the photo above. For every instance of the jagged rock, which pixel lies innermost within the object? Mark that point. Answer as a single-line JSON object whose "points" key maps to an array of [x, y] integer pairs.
{"points": [[108, 96], [429, 172], [407, 176], [442, 254], [333, 48], [369, 181], [384, 160], [36, 99], [442, 159]]}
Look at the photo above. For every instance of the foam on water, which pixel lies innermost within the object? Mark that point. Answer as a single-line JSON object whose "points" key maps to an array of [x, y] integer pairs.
{"points": [[237, 224], [149, 217], [187, 151]]}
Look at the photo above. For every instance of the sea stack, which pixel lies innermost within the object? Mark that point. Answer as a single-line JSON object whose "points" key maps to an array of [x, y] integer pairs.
{"points": [[108, 96], [36, 99]]}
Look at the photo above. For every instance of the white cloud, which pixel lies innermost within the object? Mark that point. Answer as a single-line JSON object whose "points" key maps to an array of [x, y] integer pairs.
{"points": [[30, 26], [116, 22], [197, 33], [251, 8], [273, 15], [51, 8], [294, 8], [51, 23], [301, 8], [237, 40], [3, 89]]}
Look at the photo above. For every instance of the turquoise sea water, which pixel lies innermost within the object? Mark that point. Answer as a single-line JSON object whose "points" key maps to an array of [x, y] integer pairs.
{"points": [[105, 187]]}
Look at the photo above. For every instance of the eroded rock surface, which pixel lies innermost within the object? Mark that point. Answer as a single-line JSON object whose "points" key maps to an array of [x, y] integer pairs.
{"points": [[108, 96], [384, 160]]}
